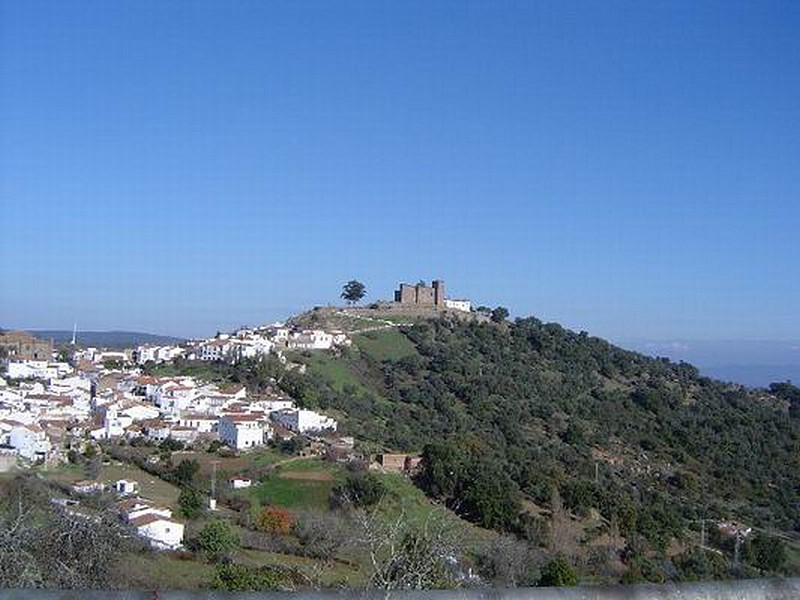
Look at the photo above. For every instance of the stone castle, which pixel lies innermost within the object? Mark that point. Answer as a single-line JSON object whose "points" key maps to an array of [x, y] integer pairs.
{"points": [[19, 345], [421, 294]]}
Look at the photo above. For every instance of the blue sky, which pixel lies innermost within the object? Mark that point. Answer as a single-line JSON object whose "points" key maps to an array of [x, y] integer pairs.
{"points": [[628, 168]]}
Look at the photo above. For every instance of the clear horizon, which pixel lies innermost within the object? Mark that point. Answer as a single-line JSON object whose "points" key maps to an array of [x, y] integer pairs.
{"points": [[632, 170]]}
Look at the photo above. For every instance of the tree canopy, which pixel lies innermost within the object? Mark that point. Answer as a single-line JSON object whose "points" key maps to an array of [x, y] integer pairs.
{"points": [[353, 291]]}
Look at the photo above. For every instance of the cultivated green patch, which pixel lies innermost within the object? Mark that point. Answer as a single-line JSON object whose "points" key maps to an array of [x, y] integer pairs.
{"points": [[386, 344]]}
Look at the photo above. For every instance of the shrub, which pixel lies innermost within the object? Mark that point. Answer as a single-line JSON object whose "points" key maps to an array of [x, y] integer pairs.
{"points": [[558, 573], [274, 519], [241, 578], [217, 539]]}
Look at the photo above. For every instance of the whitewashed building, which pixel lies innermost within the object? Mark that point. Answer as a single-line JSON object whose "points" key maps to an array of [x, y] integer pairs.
{"points": [[303, 421], [313, 339], [243, 431], [126, 487], [162, 532], [462, 305], [30, 441], [40, 369]]}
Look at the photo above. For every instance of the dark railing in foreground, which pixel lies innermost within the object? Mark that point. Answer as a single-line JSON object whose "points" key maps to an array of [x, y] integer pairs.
{"points": [[750, 589]]}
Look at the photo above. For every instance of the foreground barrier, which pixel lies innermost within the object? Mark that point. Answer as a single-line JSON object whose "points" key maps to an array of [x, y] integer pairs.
{"points": [[749, 589]]}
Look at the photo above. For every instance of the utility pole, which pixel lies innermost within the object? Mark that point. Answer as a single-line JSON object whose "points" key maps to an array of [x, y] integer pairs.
{"points": [[737, 549], [702, 533], [212, 502], [596, 472]]}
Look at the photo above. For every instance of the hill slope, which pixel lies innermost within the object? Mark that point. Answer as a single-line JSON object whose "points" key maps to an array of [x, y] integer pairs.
{"points": [[107, 339], [649, 444]]}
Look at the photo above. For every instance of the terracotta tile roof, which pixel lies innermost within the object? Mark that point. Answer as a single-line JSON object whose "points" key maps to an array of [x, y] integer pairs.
{"points": [[244, 418], [147, 519], [231, 389], [132, 503]]}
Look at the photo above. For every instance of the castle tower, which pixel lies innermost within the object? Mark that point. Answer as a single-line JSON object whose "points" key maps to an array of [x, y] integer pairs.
{"points": [[438, 293]]}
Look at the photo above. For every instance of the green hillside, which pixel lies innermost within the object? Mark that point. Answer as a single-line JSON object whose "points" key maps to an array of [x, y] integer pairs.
{"points": [[514, 413]]}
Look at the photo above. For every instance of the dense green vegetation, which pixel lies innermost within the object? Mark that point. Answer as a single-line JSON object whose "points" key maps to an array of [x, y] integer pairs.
{"points": [[518, 410], [596, 457]]}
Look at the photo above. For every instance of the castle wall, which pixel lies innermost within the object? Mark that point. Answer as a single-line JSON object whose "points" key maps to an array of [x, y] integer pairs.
{"points": [[407, 294], [425, 295], [421, 295], [438, 293]]}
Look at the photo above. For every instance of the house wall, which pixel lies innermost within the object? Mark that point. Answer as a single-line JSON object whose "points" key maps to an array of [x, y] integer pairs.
{"points": [[163, 534]]}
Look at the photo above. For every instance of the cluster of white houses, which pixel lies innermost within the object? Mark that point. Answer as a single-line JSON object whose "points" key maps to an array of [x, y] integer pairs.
{"points": [[260, 341], [49, 407]]}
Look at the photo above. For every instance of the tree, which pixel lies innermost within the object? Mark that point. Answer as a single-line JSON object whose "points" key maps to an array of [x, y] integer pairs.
{"points": [[766, 552], [320, 535], [190, 502], [274, 519], [358, 490], [353, 291], [558, 573], [406, 555], [217, 539], [507, 562], [43, 546], [186, 470], [171, 445], [499, 314]]}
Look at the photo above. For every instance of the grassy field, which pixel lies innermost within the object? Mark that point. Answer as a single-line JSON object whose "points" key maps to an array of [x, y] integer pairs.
{"points": [[334, 370], [163, 571], [328, 574], [298, 485], [150, 486], [387, 344]]}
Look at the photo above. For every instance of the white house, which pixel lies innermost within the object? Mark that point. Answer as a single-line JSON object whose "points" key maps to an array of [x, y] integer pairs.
{"points": [[203, 423], [140, 412], [270, 406], [278, 332], [216, 349], [133, 508], [173, 397], [41, 369], [114, 425], [30, 442], [184, 434], [462, 305], [156, 354], [86, 486], [243, 431], [162, 533], [302, 421], [126, 487], [250, 348], [313, 339]]}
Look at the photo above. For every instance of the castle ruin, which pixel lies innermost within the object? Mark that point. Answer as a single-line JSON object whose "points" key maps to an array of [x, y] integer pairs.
{"points": [[421, 294]]}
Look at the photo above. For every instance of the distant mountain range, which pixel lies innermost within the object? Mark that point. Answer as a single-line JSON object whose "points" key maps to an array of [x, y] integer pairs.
{"points": [[752, 363], [107, 339]]}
